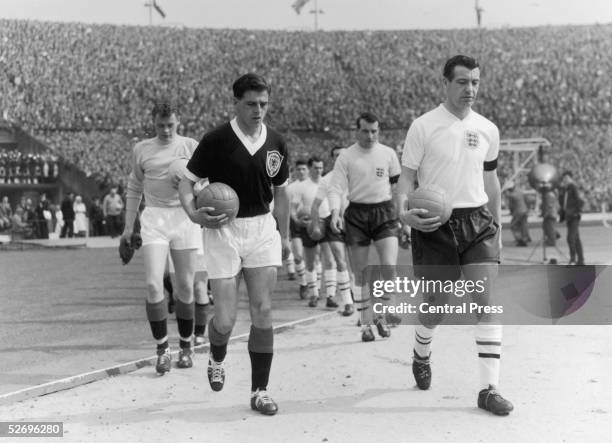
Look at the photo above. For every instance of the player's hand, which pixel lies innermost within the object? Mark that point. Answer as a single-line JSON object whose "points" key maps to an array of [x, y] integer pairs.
{"points": [[203, 217], [315, 229], [126, 251], [336, 223], [286, 247], [304, 221], [417, 218]]}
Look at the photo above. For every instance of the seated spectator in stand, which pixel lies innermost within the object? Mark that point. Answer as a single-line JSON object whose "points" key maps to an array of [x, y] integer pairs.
{"points": [[21, 228], [6, 212]]}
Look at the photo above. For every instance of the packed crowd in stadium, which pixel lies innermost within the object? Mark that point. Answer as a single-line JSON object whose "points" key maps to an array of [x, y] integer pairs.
{"points": [[86, 90]]}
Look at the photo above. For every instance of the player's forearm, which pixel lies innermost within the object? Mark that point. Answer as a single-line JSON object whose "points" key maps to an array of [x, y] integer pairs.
{"points": [[281, 211], [493, 191], [131, 211], [314, 211], [405, 186], [185, 189]]}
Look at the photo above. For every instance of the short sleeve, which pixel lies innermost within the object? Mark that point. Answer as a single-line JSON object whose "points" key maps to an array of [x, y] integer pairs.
{"points": [[414, 146], [201, 160], [394, 167], [281, 179], [493, 151]]}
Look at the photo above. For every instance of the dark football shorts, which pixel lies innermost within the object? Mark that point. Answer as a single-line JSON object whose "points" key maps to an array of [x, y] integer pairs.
{"points": [[470, 236], [294, 229], [328, 236], [367, 222]]}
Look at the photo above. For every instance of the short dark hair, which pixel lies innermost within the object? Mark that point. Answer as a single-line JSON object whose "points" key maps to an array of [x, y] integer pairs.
{"points": [[567, 172], [334, 149], [164, 108], [301, 161], [314, 159], [458, 60], [368, 117], [250, 82]]}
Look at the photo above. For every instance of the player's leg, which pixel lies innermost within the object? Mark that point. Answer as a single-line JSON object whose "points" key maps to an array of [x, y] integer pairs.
{"points": [[480, 265], [262, 254], [300, 266], [435, 257], [260, 284], [359, 258], [310, 257], [387, 249], [203, 308], [384, 233], [358, 239], [154, 255], [184, 264], [343, 276], [220, 327], [169, 279], [222, 260], [318, 266], [488, 336], [329, 275]]}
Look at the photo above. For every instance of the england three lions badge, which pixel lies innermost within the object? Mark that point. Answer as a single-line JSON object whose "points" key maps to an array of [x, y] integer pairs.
{"points": [[273, 163], [472, 139]]}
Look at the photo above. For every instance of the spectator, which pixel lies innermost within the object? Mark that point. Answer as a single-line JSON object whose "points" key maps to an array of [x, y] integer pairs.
{"points": [[96, 217], [113, 207], [42, 217], [6, 213], [571, 204], [80, 217], [21, 228], [549, 216], [517, 204], [67, 216]]}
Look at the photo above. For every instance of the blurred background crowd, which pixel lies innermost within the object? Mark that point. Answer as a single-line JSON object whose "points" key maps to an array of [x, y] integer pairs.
{"points": [[87, 90]]}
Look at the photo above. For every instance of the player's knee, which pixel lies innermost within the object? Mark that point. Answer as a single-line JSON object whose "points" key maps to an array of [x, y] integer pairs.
{"points": [[261, 308], [155, 293], [224, 323]]}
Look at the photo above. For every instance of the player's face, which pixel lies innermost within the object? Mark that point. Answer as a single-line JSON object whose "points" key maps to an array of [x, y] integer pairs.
{"points": [[251, 108], [461, 91], [367, 134], [316, 170], [165, 127], [301, 171]]}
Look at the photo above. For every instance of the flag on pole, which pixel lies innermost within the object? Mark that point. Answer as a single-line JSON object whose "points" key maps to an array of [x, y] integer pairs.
{"points": [[158, 9], [298, 5]]}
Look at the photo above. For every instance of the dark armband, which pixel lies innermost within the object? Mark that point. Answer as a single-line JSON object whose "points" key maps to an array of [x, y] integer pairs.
{"points": [[490, 166], [393, 180]]}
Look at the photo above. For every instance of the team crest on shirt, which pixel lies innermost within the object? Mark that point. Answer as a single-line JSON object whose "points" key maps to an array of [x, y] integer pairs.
{"points": [[380, 172], [273, 163], [472, 139]]}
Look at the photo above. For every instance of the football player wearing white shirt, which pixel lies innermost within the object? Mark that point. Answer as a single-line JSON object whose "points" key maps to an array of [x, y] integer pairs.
{"points": [[304, 195], [164, 225], [333, 244], [295, 261], [368, 172], [456, 148]]}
